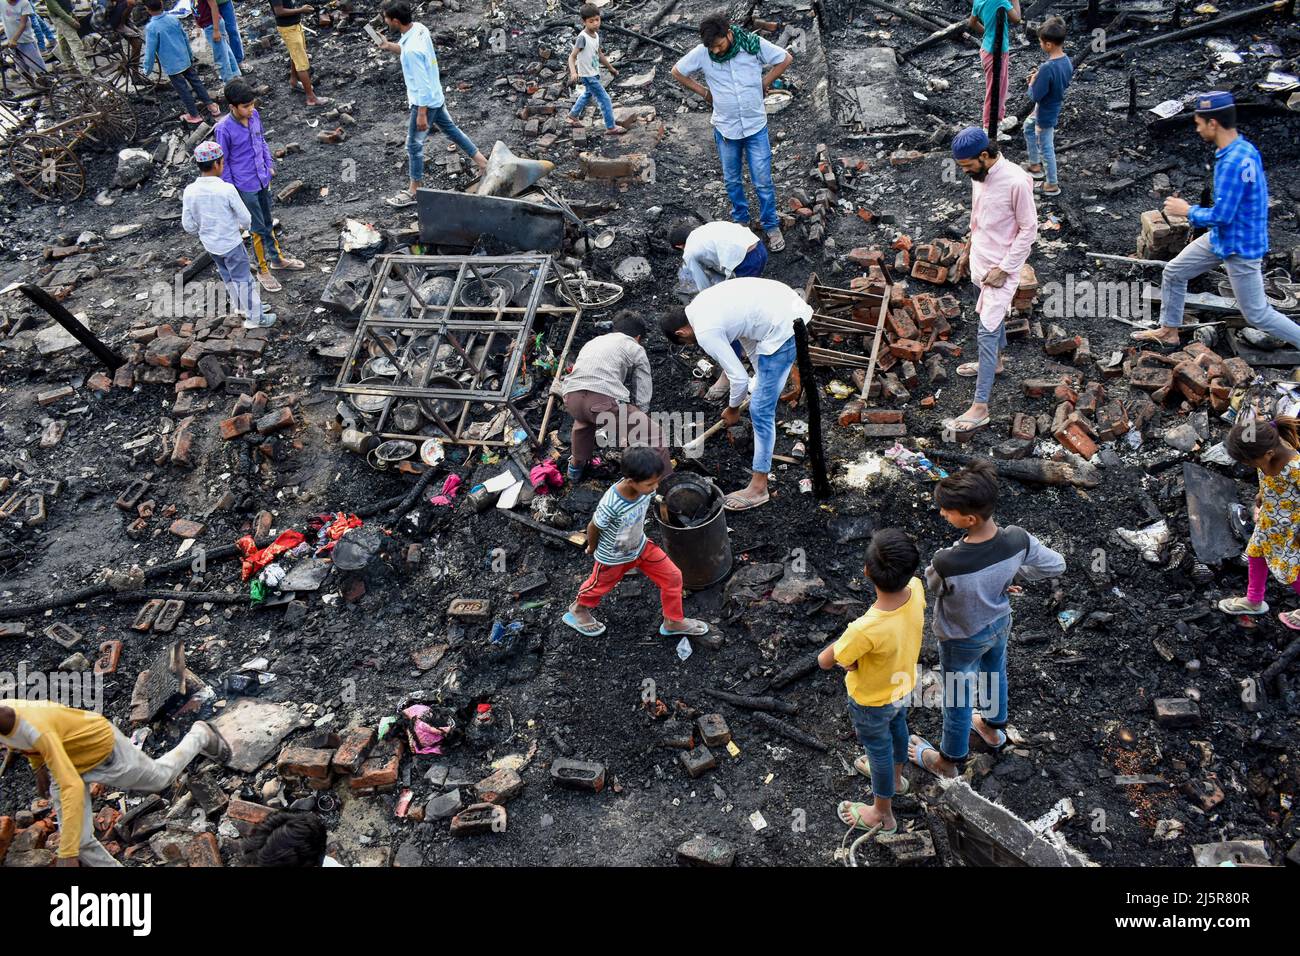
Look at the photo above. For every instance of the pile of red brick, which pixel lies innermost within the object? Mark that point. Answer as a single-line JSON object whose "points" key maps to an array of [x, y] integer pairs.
{"points": [[319, 762], [813, 210], [1195, 375]]}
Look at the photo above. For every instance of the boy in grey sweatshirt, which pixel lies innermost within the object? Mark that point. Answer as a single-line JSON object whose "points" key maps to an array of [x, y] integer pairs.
{"points": [[971, 583]]}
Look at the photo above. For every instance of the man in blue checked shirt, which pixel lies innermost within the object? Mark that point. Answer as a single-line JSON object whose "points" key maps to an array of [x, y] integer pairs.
{"points": [[732, 61], [1238, 236]]}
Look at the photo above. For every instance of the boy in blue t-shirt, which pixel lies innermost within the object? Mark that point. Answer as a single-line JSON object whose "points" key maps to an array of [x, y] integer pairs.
{"points": [[616, 537], [1047, 86]]}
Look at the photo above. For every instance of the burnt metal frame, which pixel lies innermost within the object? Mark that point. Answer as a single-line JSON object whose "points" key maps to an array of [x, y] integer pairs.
{"points": [[501, 318]]}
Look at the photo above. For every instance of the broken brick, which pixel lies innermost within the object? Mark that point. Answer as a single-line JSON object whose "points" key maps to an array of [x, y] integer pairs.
{"points": [[234, 427], [1023, 426], [908, 349], [352, 750], [304, 762], [1074, 437]]}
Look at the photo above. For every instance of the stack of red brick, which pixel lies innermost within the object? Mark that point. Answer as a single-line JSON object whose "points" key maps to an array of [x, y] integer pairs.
{"points": [[320, 761]]}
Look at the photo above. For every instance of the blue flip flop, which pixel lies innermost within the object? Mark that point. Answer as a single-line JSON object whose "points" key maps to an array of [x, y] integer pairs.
{"points": [[586, 630], [978, 743], [922, 745]]}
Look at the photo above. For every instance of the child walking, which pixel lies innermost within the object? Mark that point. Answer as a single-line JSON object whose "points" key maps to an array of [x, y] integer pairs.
{"points": [[212, 210], [1270, 447], [879, 652], [249, 169], [166, 42], [616, 537], [585, 60], [1047, 86], [19, 20], [971, 582]]}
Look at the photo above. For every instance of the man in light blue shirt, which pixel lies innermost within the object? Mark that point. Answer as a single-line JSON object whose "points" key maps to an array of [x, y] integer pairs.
{"points": [[732, 61], [424, 96]]}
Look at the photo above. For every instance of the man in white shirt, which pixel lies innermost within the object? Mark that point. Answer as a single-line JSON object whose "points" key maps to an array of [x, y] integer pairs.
{"points": [[732, 61], [212, 209], [760, 315]]}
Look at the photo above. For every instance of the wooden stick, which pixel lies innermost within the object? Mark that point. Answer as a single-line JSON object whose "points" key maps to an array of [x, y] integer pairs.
{"points": [[875, 344], [754, 703], [782, 729]]}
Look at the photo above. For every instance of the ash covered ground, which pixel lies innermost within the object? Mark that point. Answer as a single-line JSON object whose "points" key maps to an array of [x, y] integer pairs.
{"points": [[1081, 699]]}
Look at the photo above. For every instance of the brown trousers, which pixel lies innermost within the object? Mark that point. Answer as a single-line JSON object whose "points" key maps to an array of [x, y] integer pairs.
{"points": [[624, 422]]}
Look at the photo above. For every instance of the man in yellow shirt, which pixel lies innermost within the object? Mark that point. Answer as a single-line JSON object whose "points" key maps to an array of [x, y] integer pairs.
{"points": [[879, 652], [79, 747]]}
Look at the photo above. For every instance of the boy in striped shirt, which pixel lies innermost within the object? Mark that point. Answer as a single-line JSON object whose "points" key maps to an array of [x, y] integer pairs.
{"points": [[616, 537]]}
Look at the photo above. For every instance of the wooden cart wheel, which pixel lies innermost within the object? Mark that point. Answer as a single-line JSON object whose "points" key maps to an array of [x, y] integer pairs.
{"points": [[47, 168], [119, 69], [76, 95]]}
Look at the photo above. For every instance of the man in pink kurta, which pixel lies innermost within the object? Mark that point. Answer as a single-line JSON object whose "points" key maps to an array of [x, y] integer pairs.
{"points": [[1003, 226]]}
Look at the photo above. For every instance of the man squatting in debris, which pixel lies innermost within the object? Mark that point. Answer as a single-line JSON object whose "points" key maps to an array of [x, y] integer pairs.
{"points": [[983, 19], [596, 395], [212, 209], [732, 61], [971, 582], [424, 96], [759, 315], [166, 41], [1003, 226], [585, 60], [1238, 236], [879, 653], [1270, 448], [1047, 86], [70, 749], [616, 538], [250, 168], [712, 253]]}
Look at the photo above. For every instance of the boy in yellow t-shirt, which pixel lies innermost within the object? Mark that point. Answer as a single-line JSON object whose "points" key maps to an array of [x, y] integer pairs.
{"points": [[879, 652]]}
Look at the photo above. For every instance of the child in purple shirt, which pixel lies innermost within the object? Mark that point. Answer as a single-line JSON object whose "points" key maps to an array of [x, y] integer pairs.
{"points": [[249, 169]]}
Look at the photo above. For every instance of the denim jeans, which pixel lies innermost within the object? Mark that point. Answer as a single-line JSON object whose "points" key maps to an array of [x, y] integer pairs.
{"points": [[991, 344], [230, 30], [222, 55], [772, 371], [183, 83], [755, 151], [415, 138], [753, 264], [594, 89], [1040, 145], [259, 209], [1247, 286], [44, 35], [237, 275], [882, 731], [974, 672]]}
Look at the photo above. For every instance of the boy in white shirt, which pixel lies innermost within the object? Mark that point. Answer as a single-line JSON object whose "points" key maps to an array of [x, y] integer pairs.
{"points": [[585, 60]]}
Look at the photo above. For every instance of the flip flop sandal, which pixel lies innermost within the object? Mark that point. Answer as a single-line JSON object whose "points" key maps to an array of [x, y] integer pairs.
{"points": [[727, 503], [1239, 605], [854, 810], [863, 766], [586, 630], [1290, 619], [922, 745], [963, 426], [972, 370], [1050, 192], [1145, 337], [697, 629], [1041, 174], [979, 744]]}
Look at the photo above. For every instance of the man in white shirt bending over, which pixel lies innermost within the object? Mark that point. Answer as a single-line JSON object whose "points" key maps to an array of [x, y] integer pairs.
{"points": [[759, 314]]}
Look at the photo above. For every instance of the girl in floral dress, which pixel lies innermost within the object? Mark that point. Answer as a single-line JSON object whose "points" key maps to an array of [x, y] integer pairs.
{"points": [[1270, 447]]}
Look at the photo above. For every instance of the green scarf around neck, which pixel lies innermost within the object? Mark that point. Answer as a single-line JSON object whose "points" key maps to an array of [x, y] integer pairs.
{"points": [[741, 40]]}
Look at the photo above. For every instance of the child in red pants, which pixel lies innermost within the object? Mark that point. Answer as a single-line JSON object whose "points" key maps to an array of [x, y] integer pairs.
{"points": [[616, 536], [1270, 447]]}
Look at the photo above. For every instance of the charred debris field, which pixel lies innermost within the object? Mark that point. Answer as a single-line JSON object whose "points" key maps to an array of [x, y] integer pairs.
{"points": [[129, 485]]}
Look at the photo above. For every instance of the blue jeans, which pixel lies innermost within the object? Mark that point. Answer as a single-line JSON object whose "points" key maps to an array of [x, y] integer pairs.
{"points": [[753, 264], [882, 731], [237, 275], [974, 671], [415, 138], [991, 345], [259, 209], [1247, 286], [594, 89], [772, 371], [222, 55], [1040, 145], [183, 83], [230, 30], [44, 35], [756, 151]]}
